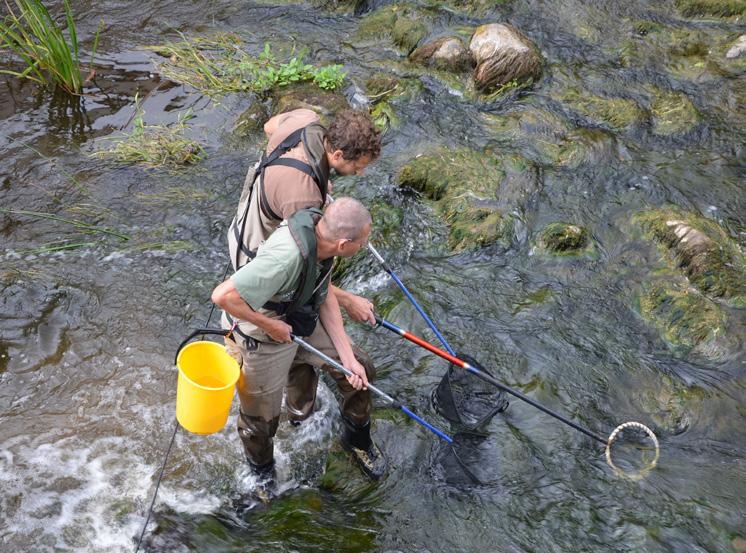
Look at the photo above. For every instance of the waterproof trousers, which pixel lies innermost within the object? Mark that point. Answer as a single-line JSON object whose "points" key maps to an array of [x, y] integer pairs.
{"points": [[272, 368]]}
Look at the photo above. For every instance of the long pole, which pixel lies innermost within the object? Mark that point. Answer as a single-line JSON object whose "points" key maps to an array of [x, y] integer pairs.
{"points": [[384, 395], [484, 376]]}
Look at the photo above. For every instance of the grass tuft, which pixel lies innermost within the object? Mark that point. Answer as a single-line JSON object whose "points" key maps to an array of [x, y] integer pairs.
{"points": [[50, 57], [155, 145]]}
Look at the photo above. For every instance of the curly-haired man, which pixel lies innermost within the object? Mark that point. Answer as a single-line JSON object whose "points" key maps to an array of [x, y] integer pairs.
{"points": [[293, 175]]}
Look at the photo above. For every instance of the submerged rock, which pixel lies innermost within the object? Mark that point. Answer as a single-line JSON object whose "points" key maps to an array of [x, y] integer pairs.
{"points": [[718, 8], [448, 53], [503, 54], [408, 32], [251, 120], [619, 114], [673, 408], [687, 320], [711, 260], [673, 113], [309, 96], [551, 139], [738, 48], [463, 185], [564, 239]]}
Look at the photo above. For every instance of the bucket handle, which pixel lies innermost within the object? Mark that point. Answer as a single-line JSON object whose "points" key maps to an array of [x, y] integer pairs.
{"points": [[197, 332]]}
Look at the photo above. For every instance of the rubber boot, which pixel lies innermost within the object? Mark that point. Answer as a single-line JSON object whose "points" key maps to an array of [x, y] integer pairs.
{"points": [[356, 439]]}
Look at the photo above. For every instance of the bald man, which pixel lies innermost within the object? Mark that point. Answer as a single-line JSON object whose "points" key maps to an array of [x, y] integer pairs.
{"points": [[282, 290]]}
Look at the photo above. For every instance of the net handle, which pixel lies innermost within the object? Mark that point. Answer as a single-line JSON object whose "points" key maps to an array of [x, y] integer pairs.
{"points": [[642, 473]]}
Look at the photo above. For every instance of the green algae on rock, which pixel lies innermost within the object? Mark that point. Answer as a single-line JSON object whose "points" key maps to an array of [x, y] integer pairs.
{"points": [[673, 113], [711, 260], [565, 239], [685, 318], [673, 407], [308, 96], [550, 138], [718, 8], [618, 114], [463, 185]]}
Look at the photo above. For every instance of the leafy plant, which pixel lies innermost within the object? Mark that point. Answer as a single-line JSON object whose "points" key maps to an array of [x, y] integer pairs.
{"points": [[218, 65], [34, 36]]}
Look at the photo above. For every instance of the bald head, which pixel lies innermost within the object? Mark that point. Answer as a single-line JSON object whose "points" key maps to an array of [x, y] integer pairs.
{"points": [[345, 219]]}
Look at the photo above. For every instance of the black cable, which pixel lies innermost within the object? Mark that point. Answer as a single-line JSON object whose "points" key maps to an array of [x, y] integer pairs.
{"points": [[171, 443]]}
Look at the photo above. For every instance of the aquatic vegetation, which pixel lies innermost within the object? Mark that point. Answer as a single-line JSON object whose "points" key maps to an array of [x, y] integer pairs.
{"points": [[82, 226], [719, 8], [711, 260], [407, 33], [565, 239], [463, 184], [549, 138], [618, 114], [306, 95], [686, 319], [673, 113], [155, 145], [34, 36], [218, 65]]}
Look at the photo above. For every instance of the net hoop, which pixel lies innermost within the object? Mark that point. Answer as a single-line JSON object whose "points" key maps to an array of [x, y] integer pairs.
{"points": [[643, 472]]}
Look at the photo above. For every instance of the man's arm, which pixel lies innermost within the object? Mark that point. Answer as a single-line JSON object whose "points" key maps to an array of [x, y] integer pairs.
{"points": [[227, 297], [331, 318], [359, 309]]}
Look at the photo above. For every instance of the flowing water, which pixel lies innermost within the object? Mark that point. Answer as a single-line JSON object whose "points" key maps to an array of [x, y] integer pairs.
{"points": [[87, 335]]}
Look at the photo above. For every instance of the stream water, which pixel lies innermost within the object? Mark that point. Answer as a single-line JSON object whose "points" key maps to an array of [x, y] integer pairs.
{"points": [[87, 335]]}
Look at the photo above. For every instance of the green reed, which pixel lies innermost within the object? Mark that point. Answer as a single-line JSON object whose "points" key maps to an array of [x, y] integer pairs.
{"points": [[50, 57]]}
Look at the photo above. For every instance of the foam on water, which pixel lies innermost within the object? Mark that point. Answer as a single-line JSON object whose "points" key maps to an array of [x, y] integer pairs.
{"points": [[69, 495]]}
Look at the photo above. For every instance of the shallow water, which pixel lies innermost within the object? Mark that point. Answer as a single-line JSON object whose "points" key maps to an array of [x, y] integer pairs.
{"points": [[87, 336]]}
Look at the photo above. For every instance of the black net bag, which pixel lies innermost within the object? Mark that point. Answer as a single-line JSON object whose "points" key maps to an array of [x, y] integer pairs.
{"points": [[465, 399]]}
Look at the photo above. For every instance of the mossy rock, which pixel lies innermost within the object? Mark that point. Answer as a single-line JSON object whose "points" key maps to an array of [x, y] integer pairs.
{"points": [[407, 33], [463, 185], [717, 8], [673, 113], [618, 114], [309, 96], [685, 318], [710, 258], [550, 138], [384, 116], [378, 24], [565, 239], [251, 120]]}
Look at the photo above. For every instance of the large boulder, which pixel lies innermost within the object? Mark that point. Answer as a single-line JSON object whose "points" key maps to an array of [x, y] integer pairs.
{"points": [[503, 55], [711, 260], [448, 53]]}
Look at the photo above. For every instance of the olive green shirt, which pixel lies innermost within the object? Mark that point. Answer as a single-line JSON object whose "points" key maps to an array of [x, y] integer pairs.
{"points": [[274, 274]]}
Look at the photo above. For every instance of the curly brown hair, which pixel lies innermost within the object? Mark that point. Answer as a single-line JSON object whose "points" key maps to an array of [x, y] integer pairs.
{"points": [[354, 133]]}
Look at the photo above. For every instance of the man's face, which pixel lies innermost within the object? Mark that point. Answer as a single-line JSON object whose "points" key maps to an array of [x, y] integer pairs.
{"points": [[346, 167]]}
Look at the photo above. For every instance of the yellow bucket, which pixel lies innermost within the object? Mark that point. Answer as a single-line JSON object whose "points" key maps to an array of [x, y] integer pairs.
{"points": [[204, 392]]}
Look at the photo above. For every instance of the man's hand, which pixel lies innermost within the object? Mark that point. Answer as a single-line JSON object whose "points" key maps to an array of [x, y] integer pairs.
{"points": [[358, 379], [360, 309], [278, 330]]}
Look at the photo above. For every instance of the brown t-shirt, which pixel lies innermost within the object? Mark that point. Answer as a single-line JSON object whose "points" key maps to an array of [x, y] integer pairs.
{"points": [[289, 190]]}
